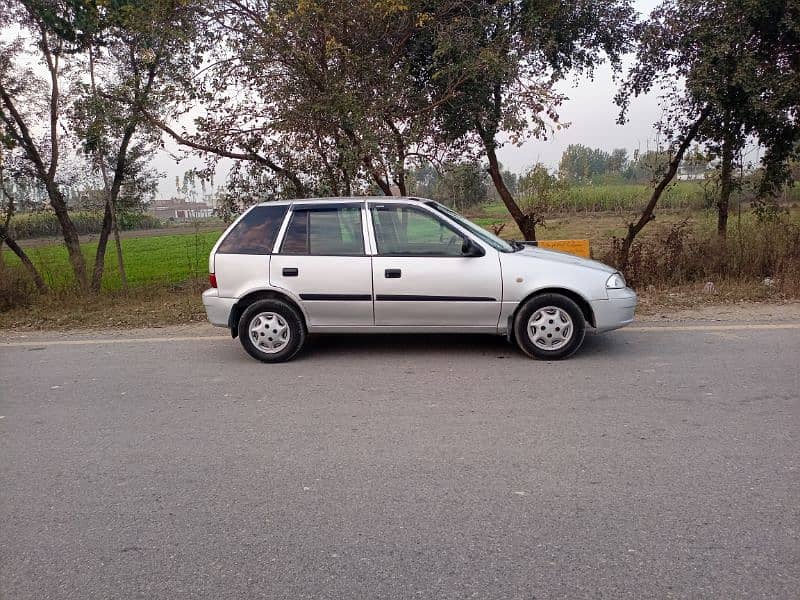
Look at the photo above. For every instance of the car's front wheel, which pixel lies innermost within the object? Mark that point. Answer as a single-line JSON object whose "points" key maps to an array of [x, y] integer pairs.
{"points": [[271, 331], [549, 327]]}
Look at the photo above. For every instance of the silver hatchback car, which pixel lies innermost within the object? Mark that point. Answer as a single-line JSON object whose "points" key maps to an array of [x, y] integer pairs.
{"points": [[406, 265]]}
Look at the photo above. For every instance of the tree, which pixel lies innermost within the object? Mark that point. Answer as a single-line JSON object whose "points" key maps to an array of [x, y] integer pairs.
{"points": [[617, 161], [730, 71], [132, 52], [581, 163], [462, 185], [538, 190], [508, 55], [327, 96], [32, 111]]}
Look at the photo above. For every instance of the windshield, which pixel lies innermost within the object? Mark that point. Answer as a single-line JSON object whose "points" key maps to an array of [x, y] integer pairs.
{"points": [[491, 239]]}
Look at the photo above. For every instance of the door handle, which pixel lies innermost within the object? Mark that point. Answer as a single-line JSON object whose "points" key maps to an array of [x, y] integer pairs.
{"points": [[290, 272], [392, 273]]}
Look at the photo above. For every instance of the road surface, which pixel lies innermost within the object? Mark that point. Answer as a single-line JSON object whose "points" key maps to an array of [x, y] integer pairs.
{"points": [[657, 463]]}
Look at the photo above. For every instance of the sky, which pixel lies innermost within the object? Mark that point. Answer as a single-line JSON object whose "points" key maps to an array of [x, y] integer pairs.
{"points": [[590, 111]]}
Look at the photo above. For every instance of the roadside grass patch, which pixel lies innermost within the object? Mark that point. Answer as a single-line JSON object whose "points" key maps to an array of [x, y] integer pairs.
{"points": [[147, 306]]}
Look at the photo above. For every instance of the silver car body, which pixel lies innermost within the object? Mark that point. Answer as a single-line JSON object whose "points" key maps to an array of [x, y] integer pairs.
{"points": [[454, 294]]}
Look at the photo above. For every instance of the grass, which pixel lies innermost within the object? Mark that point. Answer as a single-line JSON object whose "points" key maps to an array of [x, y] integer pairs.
{"points": [[153, 260], [147, 306]]}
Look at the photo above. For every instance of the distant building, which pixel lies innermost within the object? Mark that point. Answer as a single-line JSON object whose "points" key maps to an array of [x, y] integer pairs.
{"points": [[692, 170], [174, 209]]}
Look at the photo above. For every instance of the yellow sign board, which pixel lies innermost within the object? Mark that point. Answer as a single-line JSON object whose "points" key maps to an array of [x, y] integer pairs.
{"points": [[577, 247]]}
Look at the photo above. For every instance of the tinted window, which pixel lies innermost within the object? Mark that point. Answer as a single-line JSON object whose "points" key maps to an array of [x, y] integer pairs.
{"points": [[325, 231], [256, 232], [406, 231]]}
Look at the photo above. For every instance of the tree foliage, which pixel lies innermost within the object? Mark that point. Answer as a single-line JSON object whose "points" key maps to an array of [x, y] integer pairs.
{"points": [[734, 67], [509, 55]]}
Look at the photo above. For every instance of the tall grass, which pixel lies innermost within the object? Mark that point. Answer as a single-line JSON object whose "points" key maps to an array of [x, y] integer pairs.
{"points": [[752, 251], [625, 197], [45, 224]]}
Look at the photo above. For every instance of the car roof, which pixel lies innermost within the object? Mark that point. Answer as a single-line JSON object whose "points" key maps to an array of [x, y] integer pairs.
{"points": [[348, 199]]}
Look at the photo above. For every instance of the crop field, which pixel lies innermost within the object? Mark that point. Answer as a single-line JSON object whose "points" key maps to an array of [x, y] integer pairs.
{"points": [[153, 260], [43, 224], [625, 197]]}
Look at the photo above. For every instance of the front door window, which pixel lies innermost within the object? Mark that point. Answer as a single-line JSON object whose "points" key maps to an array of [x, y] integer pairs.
{"points": [[408, 231]]}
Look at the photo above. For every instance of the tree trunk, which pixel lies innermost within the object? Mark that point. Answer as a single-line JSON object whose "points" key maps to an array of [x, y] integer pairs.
{"points": [[123, 276], [526, 224], [26, 262], [70, 233], [102, 243], [110, 213], [401, 183], [400, 149], [647, 213], [378, 178], [725, 189]]}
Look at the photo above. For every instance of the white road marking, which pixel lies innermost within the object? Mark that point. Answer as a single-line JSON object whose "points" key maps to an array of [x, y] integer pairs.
{"points": [[712, 328], [155, 340], [219, 338]]}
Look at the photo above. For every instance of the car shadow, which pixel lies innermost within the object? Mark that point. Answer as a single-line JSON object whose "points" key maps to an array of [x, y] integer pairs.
{"points": [[406, 345]]}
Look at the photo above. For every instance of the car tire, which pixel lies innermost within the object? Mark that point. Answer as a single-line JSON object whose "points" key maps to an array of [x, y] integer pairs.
{"points": [[541, 323], [272, 331]]}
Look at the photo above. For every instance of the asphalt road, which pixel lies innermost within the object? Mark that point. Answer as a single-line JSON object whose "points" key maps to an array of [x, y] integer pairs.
{"points": [[654, 464]]}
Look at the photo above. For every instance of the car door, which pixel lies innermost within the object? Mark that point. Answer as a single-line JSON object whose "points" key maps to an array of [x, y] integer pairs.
{"points": [[421, 276], [322, 260]]}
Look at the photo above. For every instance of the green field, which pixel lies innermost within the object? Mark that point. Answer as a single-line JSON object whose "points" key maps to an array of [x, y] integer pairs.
{"points": [[158, 259]]}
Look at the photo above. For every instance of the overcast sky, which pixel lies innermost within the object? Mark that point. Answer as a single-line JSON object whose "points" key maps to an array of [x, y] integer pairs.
{"points": [[590, 110]]}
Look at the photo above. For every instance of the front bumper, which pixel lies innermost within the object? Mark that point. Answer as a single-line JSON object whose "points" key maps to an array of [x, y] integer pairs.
{"points": [[218, 309], [615, 312]]}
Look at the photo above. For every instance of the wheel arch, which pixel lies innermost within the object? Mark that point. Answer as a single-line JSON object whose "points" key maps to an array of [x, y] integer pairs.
{"points": [[583, 303], [238, 309]]}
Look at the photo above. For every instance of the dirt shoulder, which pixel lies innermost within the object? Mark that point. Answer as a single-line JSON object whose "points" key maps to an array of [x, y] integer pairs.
{"points": [[767, 312]]}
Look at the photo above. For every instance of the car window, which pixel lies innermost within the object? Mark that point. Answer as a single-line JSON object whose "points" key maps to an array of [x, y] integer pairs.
{"points": [[255, 233], [408, 231], [491, 239], [325, 231]]}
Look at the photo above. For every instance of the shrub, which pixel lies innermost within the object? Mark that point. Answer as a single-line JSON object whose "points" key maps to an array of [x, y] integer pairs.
{"points": [[753, 250], [16, 288]]}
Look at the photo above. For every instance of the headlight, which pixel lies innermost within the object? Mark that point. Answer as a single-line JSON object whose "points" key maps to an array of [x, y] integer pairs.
{"points": [[615, 282]]}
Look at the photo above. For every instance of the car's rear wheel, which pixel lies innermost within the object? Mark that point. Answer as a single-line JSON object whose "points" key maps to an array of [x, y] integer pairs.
{"points": [[271, 331], [549, 327]]}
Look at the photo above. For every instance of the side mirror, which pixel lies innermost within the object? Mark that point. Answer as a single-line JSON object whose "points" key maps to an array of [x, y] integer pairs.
{"points": [[470, 248]]}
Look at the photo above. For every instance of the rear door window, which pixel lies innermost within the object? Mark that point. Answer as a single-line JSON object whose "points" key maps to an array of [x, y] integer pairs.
{"points": [[256, 232], [324, 231]]}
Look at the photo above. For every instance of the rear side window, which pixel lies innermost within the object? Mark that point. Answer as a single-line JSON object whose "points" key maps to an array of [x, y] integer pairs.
{"points": [[325, 232], [256, 232]]}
